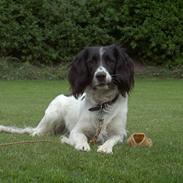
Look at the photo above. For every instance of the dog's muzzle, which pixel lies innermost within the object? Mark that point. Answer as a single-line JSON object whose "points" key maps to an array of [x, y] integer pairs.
{"points": [[101, 77]]}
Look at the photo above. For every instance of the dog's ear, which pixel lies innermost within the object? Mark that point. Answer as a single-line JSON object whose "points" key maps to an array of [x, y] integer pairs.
{"points": [[79, 77], [124, 70]]}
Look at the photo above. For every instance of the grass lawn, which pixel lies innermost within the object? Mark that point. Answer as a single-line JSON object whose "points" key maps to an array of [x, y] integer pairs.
{"points": [[155, 107]]}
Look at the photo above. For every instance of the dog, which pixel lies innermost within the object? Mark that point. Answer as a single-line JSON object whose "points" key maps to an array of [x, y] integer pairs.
{"points": [[101, 79]]}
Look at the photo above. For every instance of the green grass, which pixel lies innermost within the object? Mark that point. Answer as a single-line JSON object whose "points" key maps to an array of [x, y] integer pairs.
{"points": [[155, 107]]}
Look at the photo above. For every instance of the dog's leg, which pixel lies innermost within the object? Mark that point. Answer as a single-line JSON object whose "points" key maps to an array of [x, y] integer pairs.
{"points": [[43, 127], [116, 133], [47, 124], [53, 117], [78, 140], [108, 145], [65, 140]]}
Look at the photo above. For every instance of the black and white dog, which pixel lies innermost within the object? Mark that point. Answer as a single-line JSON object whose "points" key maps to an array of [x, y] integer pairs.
{"points": [[101, 79]]}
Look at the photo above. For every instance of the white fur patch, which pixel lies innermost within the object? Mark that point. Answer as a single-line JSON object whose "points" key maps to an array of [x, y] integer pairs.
{"points": [[101, 52]]}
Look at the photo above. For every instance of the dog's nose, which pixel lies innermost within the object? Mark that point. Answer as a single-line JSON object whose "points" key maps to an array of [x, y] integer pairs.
{"points": [[101, 76]]}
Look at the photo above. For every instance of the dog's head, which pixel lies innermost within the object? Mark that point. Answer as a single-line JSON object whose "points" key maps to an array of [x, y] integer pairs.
{"points": [[100, 67]]}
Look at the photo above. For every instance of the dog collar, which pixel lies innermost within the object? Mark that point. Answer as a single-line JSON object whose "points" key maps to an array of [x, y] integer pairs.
{"points": [[104, 105]]}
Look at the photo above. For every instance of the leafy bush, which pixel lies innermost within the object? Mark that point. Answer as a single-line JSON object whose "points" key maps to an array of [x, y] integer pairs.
{"points": [[52, 32], [154, 29]]}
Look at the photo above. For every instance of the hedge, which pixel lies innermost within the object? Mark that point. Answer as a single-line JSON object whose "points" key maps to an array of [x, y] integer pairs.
{"points": [[52, 32]]}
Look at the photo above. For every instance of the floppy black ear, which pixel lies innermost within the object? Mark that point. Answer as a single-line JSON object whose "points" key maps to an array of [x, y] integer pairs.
{"points": [[124, 71], [79, 77]]}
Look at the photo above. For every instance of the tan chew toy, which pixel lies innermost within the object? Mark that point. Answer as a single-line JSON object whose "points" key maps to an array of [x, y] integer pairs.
{"points": [[139, 140]]}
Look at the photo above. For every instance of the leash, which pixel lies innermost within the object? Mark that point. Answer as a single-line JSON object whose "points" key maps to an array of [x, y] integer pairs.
{"points": [[101, 108], [26, 142], [100, 120], [99, 127]]}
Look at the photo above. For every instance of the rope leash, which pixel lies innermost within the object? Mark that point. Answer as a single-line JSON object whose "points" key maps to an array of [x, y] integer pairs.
{"points": [[98, 130], [101, 109], [27, 142]]}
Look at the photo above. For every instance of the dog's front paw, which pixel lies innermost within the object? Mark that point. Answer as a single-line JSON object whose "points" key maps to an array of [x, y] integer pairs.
{"points": [[105, 149], [82, 147]]}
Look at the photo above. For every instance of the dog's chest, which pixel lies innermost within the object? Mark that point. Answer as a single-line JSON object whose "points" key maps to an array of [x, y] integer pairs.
{"points": [[99, 115], [99, 127]]}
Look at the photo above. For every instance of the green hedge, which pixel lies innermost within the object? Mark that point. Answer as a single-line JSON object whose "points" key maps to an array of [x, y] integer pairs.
{"points": [[51, 32]]}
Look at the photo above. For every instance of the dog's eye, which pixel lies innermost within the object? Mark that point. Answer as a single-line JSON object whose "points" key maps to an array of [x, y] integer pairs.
{"points": [[110, 62], [92, 63]]}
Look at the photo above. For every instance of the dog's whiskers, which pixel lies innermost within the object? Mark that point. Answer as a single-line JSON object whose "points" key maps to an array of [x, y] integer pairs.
{"points": [[113, 75], [115, 81]]}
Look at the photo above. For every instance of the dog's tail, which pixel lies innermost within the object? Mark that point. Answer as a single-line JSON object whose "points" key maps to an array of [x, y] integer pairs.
{"points": [[12, 129]]}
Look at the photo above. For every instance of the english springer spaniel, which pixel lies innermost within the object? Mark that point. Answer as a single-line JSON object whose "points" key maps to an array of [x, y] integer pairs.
{"points": [[101, 79]]}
